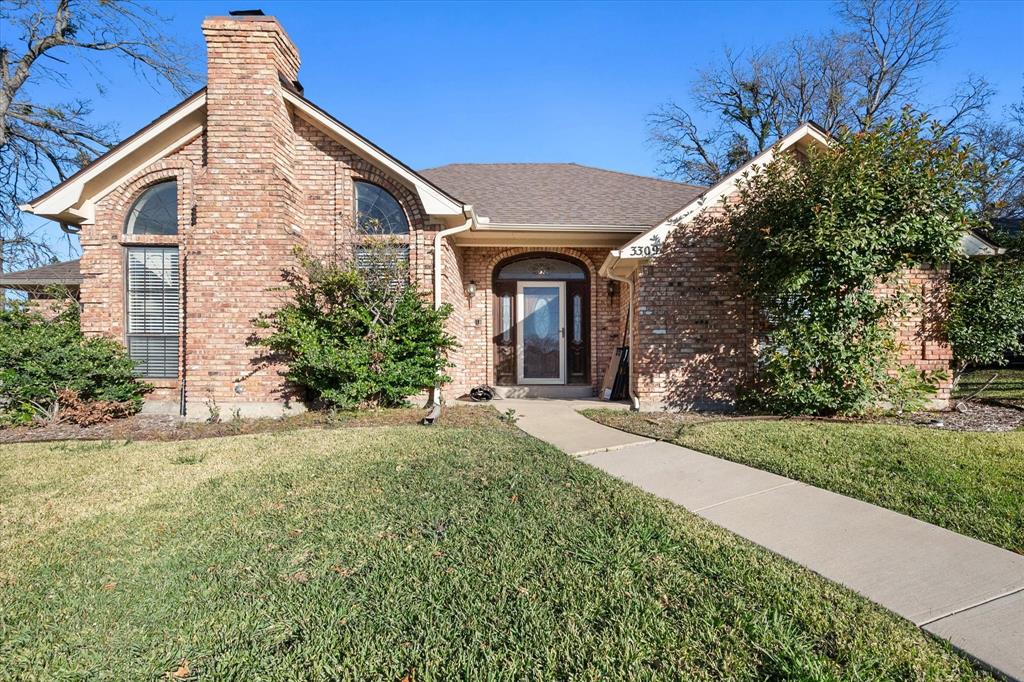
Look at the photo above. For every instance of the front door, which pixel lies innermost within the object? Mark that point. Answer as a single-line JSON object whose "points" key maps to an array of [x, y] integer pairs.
{"points": [[540, 342]]}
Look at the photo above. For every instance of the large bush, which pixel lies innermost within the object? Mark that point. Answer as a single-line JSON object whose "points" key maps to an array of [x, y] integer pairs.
{"points": [[41, 357], [986, 316], [357, 333], [817, 236]]}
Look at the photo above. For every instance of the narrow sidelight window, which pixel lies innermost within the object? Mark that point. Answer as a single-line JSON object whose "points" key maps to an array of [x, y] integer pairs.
{"points": [[154, 303], [506, 318], [577, 319]]}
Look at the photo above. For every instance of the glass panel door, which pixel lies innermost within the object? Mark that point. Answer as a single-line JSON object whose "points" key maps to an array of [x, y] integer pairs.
{"points": [[541, 333]]}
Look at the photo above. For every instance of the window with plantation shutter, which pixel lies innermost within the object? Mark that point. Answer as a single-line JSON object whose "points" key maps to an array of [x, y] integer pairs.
{"points": [[154, 302]]}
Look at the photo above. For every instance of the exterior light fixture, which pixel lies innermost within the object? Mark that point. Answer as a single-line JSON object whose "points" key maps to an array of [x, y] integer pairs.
{"points": [[471, 289]]}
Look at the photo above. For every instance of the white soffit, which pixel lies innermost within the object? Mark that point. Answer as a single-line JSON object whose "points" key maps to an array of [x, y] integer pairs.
{"points": [[649, 244], [73, 201]]}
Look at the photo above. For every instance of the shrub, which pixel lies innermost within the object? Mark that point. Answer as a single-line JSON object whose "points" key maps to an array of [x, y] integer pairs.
{"points": [[817, 236], [986, 317], [71, 408], [357, 334], [40, 357]]}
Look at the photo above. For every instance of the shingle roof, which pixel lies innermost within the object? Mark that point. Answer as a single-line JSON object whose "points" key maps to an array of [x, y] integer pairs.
{"points": [[67, 273], [561, 193]]}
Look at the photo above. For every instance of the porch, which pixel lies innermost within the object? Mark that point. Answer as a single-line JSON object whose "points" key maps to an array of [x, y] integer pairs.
{"points": [[532, 321]]}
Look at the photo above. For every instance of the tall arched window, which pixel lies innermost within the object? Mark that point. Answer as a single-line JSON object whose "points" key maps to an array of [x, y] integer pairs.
{"points": [[378, 212], [155, 211]]}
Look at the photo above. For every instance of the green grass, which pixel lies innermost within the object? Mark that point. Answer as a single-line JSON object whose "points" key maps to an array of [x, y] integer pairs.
{"points": [[971, 483], [443, 553], [1008, 386]]}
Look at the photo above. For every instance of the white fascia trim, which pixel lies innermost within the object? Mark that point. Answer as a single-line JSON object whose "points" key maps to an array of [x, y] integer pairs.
{"points": [[973, 246], [152, 158], [555, 227], [434, 201], [69, 196], [649, 243]]}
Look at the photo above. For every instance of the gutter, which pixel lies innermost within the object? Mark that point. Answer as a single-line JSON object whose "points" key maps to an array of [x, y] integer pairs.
{"points": [[606, 271], [471, 221]]}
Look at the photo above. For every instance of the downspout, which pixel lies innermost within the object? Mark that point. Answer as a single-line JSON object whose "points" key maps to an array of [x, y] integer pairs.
{"points": [[471, 220], [634, 402]]}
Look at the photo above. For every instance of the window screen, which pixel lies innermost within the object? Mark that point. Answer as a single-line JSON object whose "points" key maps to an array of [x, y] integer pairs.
{"points": [[154, 294]]}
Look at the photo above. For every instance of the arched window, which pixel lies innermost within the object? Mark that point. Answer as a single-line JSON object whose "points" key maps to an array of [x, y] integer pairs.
{"points": [[155, 211], [541, 269], [377, 212]]}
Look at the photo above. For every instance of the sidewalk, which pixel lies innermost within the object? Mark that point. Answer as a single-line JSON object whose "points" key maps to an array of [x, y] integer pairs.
{"points": [[963, 590]]}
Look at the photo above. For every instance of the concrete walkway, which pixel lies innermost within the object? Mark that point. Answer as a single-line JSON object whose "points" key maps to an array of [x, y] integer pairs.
{"points": [[964, 590]]}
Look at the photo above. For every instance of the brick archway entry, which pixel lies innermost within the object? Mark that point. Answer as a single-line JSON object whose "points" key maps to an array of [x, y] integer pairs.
{"points": [[552, 343]]}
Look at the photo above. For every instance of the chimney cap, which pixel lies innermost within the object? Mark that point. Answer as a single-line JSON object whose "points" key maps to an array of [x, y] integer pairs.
{"points": [[246, 13]]}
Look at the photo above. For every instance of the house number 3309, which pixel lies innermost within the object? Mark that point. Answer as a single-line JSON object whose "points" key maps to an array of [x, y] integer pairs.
{"points": [[644, 251]]}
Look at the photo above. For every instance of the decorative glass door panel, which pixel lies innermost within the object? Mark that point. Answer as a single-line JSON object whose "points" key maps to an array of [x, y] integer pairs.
{"points": [[541, 332]]}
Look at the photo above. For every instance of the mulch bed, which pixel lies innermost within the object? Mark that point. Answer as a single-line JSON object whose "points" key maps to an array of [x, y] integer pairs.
{"points": [[971, 416], [170, 428]]}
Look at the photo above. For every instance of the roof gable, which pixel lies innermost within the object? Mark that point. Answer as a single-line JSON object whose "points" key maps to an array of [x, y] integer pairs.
{"points": [[649, 243], [435, 200], [73, 200]]}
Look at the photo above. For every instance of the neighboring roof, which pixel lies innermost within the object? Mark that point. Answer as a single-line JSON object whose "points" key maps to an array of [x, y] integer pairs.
{"points": [[67, 273], [561, 194]]}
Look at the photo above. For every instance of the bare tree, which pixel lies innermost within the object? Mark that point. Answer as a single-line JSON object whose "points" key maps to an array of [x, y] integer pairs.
{"points": [[836, 79], [999, 145], [44, 141], [890, 40]]}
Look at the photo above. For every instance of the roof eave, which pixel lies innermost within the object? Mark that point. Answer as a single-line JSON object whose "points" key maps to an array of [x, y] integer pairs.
{"points": [[69, 201], [435, 201], [648, 244]]}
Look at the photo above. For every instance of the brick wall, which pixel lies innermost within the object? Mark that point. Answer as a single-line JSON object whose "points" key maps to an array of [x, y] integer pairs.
{"points": [[691, 334], [920, 332], [258, 182], [694, 338]]}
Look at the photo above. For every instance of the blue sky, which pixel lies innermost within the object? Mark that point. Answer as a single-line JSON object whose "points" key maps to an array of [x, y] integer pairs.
{"points": [[479, 82]]}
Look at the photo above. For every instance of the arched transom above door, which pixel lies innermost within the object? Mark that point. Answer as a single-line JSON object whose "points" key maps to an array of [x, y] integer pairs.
{"points": [[541, 320]]}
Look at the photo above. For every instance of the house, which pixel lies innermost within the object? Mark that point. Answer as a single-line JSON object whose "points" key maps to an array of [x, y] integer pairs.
{"points": [[187, 225]]}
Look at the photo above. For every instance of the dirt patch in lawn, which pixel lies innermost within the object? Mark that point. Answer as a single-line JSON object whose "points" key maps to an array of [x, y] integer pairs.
{"points": [[145, 427]]}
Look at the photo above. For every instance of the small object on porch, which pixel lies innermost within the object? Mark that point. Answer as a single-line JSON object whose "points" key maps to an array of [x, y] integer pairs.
{"points": [[612, 371], [481, 394], [620, 387]]}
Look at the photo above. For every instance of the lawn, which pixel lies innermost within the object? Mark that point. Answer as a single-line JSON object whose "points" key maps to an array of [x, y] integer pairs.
{"points": [[971, 483], [401, 552], [1007, 387]]}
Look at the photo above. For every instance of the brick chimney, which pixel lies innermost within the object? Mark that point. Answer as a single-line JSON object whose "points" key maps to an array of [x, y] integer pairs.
{"points": [[246, 210], [246, 58]]}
